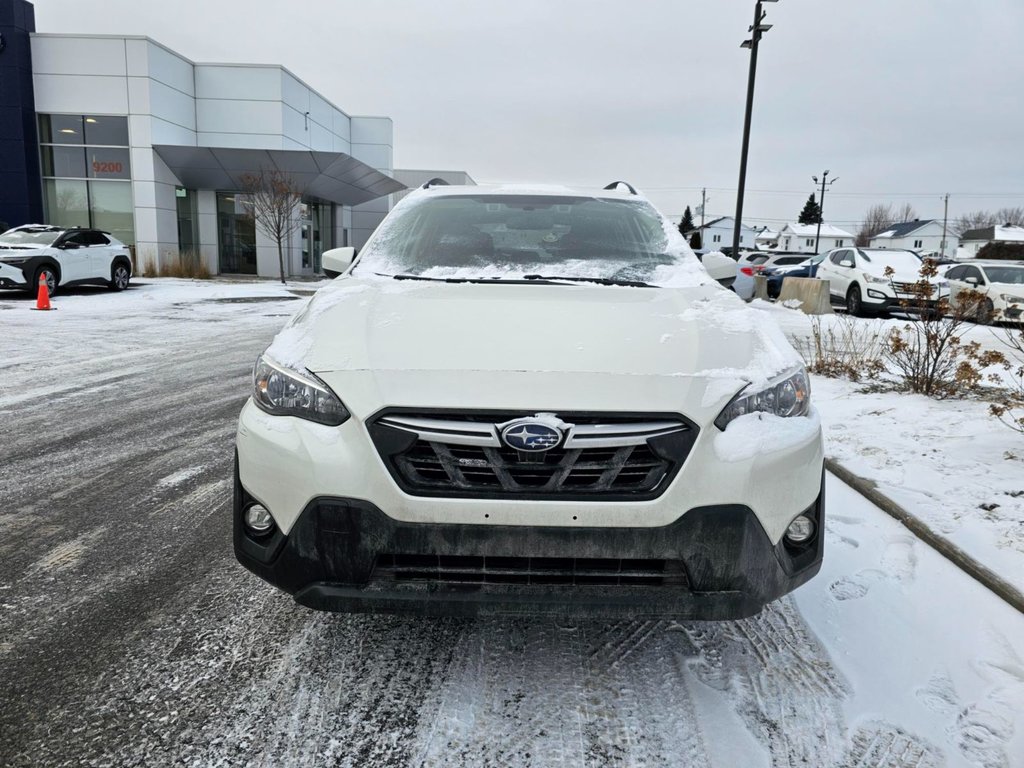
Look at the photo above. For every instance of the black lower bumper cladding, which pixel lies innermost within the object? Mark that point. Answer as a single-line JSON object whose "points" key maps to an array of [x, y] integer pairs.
{"points": [[347, 555]]}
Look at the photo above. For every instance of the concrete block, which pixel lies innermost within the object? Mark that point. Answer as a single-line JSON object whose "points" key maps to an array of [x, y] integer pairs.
{"points": [[810, 292]]}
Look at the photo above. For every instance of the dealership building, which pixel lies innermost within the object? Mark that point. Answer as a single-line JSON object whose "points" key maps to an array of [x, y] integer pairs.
{"points": [[122, 134]]}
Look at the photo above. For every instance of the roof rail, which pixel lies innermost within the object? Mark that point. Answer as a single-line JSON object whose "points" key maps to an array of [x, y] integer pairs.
{"points": [[437, 181], [629, 186]]}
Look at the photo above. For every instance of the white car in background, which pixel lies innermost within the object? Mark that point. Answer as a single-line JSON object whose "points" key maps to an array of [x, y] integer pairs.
{"points": [[857, 280], [62, 257], [999, 283], [529, 400]]}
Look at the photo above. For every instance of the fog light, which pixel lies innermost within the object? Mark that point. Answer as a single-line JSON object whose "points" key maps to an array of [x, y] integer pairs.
{"points": [[800, 530], [258, 519]]}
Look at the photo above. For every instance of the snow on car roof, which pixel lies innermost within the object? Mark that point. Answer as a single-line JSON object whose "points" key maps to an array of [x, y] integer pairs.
{"points": [[556, 190]]}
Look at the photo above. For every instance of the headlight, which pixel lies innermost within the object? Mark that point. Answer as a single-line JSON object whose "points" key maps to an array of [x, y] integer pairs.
{"points": [[788, 395], [1012, 299], [281, 391], [13, 261], [873, 279]]}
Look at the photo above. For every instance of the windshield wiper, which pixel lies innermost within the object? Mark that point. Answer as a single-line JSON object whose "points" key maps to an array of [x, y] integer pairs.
{"points": [[430, 279], [598, 280]]}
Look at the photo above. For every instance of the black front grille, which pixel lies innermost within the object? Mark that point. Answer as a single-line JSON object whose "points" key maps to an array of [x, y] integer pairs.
{"points": [[627, 469], [461, 569], [433, 454]]}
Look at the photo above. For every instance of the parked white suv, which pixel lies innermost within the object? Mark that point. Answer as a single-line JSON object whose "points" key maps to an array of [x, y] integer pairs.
{"points": [[998, 284], [857, 280], [529, 400], [63, 257]]}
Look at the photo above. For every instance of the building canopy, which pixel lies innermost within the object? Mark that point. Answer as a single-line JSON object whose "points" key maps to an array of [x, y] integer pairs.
{"points": [[331, 176]]}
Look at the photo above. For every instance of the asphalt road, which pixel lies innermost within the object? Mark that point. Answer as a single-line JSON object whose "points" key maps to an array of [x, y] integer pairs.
{"points": [[130, 636]]}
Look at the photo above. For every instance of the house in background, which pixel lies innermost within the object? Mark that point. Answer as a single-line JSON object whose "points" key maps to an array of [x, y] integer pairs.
{"points": [[802, 238], [766, 239], [918, 235], [973, 240], [718, 234]]}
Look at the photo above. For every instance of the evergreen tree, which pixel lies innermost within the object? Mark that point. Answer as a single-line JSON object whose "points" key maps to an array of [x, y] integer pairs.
{"points": [[695, 241], [811, 214], [686, 225]]}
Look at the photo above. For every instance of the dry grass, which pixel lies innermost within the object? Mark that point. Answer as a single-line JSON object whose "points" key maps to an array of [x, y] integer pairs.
{"points": [[186, 265], [843, 347]]}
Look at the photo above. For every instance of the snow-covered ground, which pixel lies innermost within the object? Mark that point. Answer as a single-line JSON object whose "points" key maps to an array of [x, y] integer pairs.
{"points": [[130, 636], [948, 462]]}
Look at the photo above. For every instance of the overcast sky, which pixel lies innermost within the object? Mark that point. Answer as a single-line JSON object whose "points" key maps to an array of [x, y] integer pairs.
{"points": [[903, 100]]}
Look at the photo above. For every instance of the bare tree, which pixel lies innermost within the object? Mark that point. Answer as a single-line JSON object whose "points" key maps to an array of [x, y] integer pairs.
{"points": [[877, 219], [881, 217], [981, 219], [272, 203], [905, 213]]}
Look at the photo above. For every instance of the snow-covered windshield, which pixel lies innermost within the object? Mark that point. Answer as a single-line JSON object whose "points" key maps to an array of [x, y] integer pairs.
{"points": [[901, 261], [516, 236], [1011, 275], [30, 237]]}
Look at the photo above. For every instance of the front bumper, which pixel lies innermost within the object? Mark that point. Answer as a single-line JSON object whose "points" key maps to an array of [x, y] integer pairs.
{"points": [[330, 560], [12, 276]]}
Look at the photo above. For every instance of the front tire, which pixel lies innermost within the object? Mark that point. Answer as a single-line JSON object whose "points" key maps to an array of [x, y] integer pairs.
{"points": [[51, 276], [120, 276], [854, 304]]}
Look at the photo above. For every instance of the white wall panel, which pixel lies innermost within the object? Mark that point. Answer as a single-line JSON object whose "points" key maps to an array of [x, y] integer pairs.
{"points": [[171, 70], [320, 139], [78, 55], [320, 111], [81, 94], [138, 95], [294, 125], [376, 155], [372, 130], [137, 57], [230, 82], [172, 105], [294, 93], [342, 125], [213, 116], [241, 140], [164, 132]]}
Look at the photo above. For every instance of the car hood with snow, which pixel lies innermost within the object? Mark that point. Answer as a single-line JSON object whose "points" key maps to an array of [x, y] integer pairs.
{"points": [[395, 329]]}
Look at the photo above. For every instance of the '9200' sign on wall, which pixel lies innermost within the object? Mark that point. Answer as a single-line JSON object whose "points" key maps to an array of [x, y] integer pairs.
{"points": [[109, 163]]}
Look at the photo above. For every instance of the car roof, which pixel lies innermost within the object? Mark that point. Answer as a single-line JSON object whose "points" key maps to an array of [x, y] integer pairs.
{"points": [[552, 190]]}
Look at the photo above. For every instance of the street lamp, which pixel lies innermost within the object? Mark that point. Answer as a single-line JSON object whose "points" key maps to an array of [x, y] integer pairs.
{"points": [[821, 204], [758, 28]]}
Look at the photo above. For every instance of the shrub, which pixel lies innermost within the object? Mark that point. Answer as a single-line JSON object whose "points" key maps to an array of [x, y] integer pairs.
{"points": [[1009, 409], [1012, 251], [929, 355], [843, 347]]}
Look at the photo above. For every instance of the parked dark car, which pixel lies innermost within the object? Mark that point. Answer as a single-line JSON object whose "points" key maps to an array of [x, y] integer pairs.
{"points": [[775, 275]]}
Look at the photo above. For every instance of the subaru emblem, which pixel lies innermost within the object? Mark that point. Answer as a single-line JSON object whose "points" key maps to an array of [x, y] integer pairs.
{"points": [[530, 436]]}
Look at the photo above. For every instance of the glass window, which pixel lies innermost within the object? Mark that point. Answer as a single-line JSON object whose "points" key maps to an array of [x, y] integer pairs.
{"points": [[63, 161], [67, 202], [237, 233], [955, 273], [60, 129], [105, 163], [111, 205], [836, 257], [110, 131], [96, 238], [188, 221], [1007, 275]]}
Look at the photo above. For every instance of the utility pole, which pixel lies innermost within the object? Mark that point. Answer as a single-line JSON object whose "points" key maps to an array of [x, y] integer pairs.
{"points": [[703, 205], [821, 205], [945, 221], [757, 29]]}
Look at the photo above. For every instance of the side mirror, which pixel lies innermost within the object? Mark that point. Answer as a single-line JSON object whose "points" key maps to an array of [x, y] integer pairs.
{"points": [[846, 263], [337, 260], [69, 245], [971, 280], [721, 267]]}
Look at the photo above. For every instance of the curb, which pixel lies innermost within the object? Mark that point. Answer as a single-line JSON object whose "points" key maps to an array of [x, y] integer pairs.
{"points": [[869, 490]]}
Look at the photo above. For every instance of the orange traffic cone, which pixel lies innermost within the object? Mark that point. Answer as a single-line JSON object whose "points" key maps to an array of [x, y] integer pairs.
{"points": [[43, 296]]}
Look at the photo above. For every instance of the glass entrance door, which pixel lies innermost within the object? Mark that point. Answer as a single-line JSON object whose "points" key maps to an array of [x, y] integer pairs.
{"points": [[317, 231], [236, 235]]}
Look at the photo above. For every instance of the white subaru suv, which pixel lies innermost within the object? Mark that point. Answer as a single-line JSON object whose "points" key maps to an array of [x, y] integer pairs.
{"points": [[529, 400], [62, 257]]}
